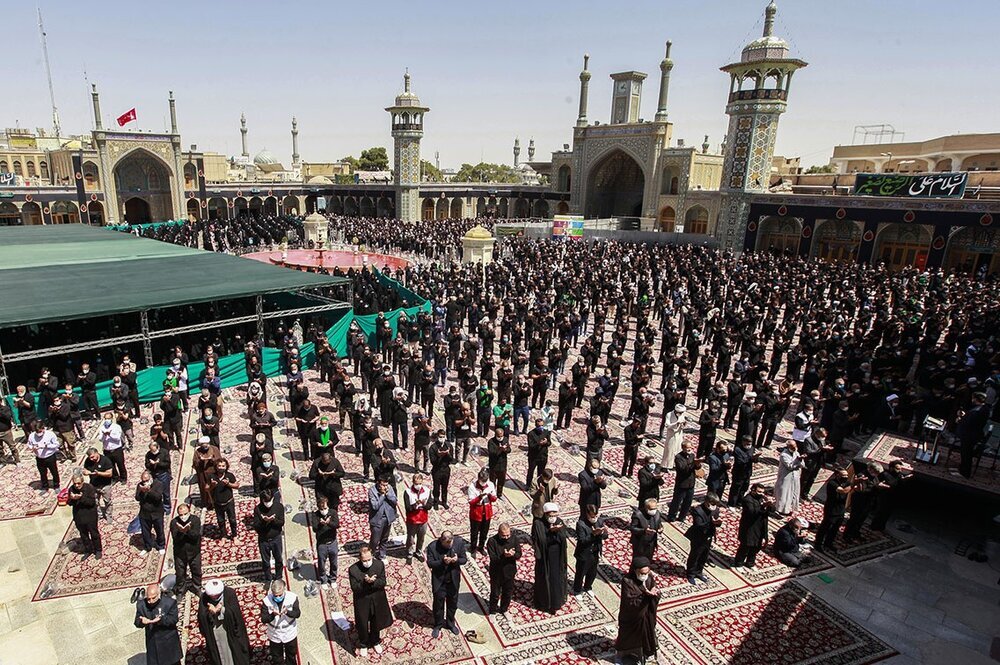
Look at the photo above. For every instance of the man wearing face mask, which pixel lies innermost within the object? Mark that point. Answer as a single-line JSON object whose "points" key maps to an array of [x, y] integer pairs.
{"points": [[83, 499], [306, 417], [372, 614], [97, 469], [381, 514], [705, 521], [268, 477], [645, 528], [482, 494], [539, 440], [279, 612], [756, 508], [650, 480], [442, 456], [327, 474], [838, 488], [185, 534], [325, 523], [498, 448], [445, 557], [416, 500], [399, 417], [504, 552], [149, 495], [269, 523], [110, 434], [637, 614], [548, 539], [592, 482], [222, 484], [157, 616], [590, 536], [157, 462]]}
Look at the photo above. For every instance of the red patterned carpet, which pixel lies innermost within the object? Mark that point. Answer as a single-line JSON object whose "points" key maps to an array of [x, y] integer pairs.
{"points": [[456, 516], [522, 621], [668, 563], [593, 645], [886, 447], [408, 641], [776, 624], [222, 555], [123, 564], [250, 592]]}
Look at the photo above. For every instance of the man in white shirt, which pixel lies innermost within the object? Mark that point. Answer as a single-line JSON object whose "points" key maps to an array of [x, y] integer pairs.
{"points": [[44, 444], [111, 437]]}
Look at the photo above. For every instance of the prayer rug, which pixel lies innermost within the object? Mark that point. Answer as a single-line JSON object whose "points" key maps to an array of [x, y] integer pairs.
{"points": [[669, 562], [353, 514], [222, 555], [408, 640], [522, 621], [595, 645], [776, 624], [456, 516], [871, 545], [250, 591]]}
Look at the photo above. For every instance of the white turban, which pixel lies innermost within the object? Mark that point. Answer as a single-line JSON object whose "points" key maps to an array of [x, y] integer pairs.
{"points": [[214, 588], [550, 507], [680, 408], [204, 439]]}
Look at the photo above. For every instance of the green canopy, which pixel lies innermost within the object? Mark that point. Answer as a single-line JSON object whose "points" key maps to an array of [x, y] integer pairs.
{"points": [[73, 271]]}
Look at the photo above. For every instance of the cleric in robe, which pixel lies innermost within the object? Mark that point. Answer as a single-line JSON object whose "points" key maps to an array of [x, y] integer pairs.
{"points": [[220, 621], [548, 537], [637, 613]]}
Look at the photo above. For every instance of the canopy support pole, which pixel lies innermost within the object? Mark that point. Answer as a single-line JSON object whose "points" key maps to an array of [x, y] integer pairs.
{"points": [[4, 385], [260, 317], [147, 348]]}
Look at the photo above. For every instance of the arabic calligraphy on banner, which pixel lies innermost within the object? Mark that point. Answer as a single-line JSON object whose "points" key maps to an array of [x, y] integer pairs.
{"points": [[936, 185]]}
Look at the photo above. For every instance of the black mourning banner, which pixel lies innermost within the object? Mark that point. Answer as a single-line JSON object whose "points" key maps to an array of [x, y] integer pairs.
{"points": [[935, 185]]}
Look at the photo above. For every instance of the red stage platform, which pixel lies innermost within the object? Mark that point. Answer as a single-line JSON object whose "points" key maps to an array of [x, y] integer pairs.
{"points": [[314, 259]]}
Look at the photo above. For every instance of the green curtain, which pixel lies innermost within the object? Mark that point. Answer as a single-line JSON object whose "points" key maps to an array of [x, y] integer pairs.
{"points": [[232, 368]]}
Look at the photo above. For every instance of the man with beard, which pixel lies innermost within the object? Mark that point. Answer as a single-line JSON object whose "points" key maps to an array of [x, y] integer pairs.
{"points": [[548, 539], [185, 534], [327, 474], [756, 508], [445, 557], [539, 440], [221, 623], [504, 552], [83, 499]]}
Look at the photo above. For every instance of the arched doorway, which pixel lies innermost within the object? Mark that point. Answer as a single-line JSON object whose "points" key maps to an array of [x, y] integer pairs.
{"points": [[837, 240], [481, 207], [696, 220], [668, 219], [522, 208], [335, 205], [669, 182], [780, 234], [190, 176], [367, 207], [290, 205], [427, 210], [541, 209], [142, 175], [384, 207], [218, 208], [64, 212], [310, 204], [457, 208], [193, 209], [31, 214], [241, 207], [91, 178], [442, 209], [563, 178], [137, 211], [9, 214], [503, 209], [902, 245], [256, 206], [972, 250], [95, 213], [271, 206], [562, 208], [351, 206], [615, 186]]}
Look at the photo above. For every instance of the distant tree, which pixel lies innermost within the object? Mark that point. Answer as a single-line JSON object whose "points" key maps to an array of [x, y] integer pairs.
{"points": [[373, 159], [352, 161], [429, 172], [825, 168], [343, 179], [487, 172]]}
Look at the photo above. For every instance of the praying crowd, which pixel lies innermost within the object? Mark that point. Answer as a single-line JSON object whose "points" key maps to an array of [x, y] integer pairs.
{"points": [[512, 357]]}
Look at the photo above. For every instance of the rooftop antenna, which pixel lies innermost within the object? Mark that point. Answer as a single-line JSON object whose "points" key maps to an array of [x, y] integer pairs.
{"points": [[48, 73]]}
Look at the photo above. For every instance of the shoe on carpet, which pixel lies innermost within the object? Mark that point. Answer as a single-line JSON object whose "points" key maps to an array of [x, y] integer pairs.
{"points": [[436, 633]]}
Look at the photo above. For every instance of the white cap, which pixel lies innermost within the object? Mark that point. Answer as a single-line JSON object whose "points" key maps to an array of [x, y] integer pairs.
{"points": [[892, 398], [204, 439], [550, 507], [680, 408]]}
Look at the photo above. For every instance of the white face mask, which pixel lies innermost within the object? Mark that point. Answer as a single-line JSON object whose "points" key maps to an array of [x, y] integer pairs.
{"points": [[184, 518], [366, 564], [324, 511], [552, 519], [651, 467], [642, 578], [268, 504], [651, 512]]}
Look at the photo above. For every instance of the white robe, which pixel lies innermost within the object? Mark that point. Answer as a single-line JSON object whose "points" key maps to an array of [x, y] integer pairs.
{"points": [[673, 434], [786, 487]]}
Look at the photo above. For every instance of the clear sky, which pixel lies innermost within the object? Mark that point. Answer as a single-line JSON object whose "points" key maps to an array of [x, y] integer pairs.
{"points": [[492, 71]]}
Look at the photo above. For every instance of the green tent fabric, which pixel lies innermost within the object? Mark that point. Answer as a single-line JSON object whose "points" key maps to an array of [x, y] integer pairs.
{"points": [[62, 272], [232, 368]]}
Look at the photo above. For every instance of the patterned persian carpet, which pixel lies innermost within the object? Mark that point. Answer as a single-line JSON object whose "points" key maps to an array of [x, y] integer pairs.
{"points": [[872, 544], [782, 623]]}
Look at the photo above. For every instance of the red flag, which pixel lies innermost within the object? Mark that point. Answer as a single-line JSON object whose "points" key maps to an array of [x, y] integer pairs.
{"points": [[126, 117]]}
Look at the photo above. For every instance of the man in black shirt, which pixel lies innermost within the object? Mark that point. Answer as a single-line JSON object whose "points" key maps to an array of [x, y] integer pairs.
{"points": [[221, 484], [325, 523], [149, 494], [269, 523], [158, 465], [504, 551], [185, 534], [498, 448], [100, 471], [173, 417], [837, 490], [83, 498], [86, 380], [326, 474]]}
